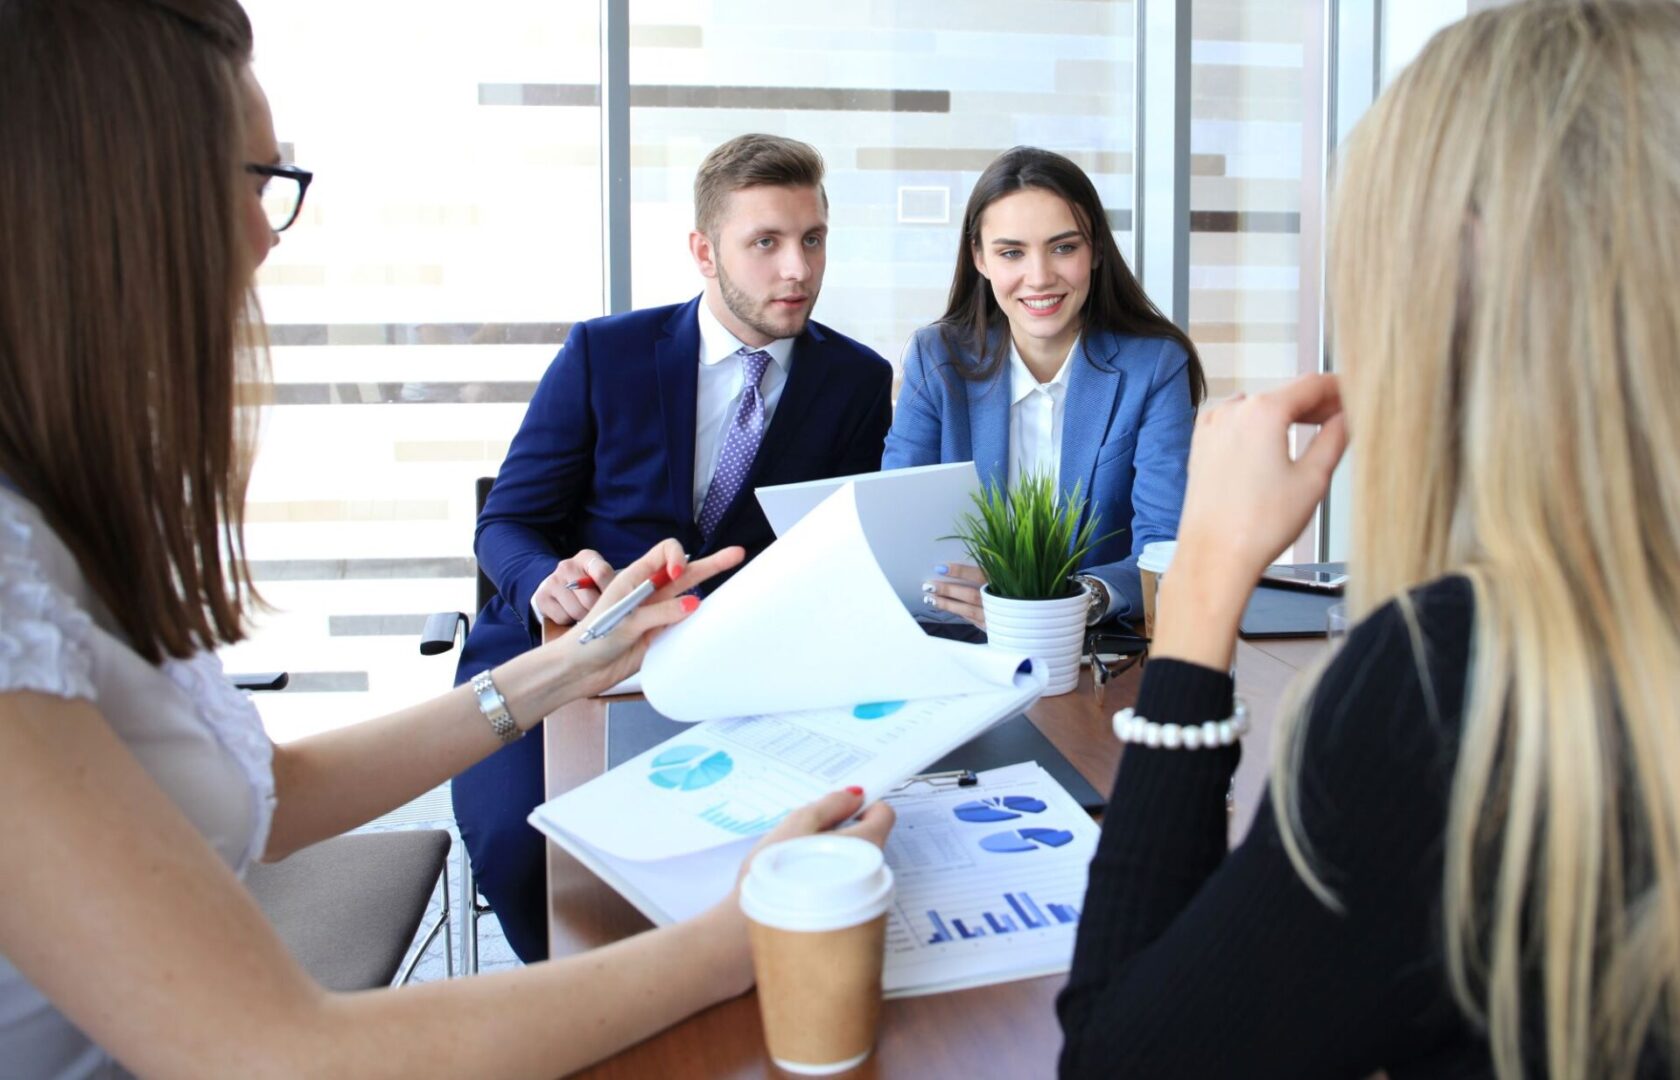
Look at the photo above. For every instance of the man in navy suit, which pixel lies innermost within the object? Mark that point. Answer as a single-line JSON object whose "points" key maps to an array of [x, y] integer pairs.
{"points": [[645, 427]]}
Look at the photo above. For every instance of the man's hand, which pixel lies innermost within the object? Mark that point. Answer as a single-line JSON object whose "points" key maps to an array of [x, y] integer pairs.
{"points": [[555, 601]]}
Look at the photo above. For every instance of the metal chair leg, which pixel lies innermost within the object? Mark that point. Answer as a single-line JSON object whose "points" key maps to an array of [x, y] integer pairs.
{"points": [[441, 922], [470, 911], [448, 928]]}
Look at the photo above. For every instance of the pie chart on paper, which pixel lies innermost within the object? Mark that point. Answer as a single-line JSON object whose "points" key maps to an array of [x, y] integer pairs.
{"points": [[999, 808], [1020, 840], [690, 768]]}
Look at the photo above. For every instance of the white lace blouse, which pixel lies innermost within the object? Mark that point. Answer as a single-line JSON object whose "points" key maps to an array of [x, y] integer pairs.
{"points": [[199, 739]]}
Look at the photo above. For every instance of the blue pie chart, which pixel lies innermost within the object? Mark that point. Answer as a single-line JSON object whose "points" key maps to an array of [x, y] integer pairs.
{"points": [[690, 768], [999, 808], [1018, 840], [877, 710]]}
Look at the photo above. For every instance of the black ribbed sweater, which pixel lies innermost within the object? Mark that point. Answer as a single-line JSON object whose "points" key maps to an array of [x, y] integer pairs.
{"points": [[1197, 962]]}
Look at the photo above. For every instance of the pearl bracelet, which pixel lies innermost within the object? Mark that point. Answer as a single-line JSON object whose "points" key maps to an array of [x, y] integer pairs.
{"points": [[1129, 727]]}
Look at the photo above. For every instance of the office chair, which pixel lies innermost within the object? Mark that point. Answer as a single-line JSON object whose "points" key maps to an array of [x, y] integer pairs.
{"points": [[260, 680], [349, 907], [442, 630]]}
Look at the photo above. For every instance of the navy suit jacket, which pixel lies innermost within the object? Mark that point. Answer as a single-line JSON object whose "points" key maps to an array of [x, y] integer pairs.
{"points": [[1126, 424], [605, 456]]}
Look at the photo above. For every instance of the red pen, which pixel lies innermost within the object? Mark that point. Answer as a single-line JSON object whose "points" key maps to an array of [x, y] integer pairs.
{"points": [[660, 579]]}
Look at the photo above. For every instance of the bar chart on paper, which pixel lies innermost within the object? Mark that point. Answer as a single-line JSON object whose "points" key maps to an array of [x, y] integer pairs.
{"points": [[972, 908], [1019, 911]]}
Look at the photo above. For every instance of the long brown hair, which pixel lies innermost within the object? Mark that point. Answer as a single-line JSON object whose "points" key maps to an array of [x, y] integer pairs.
{"points": [[124, 297], [1116, 303]]}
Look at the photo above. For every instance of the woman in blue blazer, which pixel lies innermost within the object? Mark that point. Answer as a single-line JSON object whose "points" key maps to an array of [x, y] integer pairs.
{"points": [[1050, 357]]}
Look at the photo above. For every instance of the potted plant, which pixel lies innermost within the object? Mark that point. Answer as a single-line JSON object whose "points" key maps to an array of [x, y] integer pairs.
{"points": [[1028, 544]]}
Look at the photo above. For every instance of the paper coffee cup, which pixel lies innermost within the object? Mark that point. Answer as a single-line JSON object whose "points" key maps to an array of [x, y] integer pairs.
{"points": [[817, 915], [1152, 563]]}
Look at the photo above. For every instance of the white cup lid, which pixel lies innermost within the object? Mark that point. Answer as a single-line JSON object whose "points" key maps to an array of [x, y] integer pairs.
{"points": [[821, 882], [1157, 556]]}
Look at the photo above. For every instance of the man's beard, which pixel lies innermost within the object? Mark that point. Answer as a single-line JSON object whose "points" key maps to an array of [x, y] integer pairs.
{"points": [[740, 305]]}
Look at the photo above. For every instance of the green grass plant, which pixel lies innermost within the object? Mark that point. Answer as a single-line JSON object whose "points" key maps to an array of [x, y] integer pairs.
{"points": [[1025, 542]]}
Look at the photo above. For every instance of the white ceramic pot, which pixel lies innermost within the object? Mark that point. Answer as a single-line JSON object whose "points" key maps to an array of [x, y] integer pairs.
{"points": [[1050, 631]]}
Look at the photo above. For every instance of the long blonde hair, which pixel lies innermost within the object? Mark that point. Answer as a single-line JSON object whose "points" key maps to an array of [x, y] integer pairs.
{"points": [[126, 333], [1505, 278]]}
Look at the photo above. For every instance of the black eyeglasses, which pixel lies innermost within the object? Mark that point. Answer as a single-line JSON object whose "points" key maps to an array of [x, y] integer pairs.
{"points": [[1113, 653], [282, 192]]}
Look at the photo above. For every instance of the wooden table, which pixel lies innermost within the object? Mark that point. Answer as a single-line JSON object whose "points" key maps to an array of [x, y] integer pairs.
{"points": [[1008, 1030]]}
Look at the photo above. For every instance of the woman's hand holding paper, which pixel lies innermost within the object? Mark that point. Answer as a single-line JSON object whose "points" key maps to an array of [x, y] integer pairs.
{"points": [[618, 654], [833, 809]]}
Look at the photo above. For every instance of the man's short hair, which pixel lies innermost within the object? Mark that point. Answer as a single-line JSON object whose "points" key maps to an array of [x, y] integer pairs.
{"points": [[753, 161]]}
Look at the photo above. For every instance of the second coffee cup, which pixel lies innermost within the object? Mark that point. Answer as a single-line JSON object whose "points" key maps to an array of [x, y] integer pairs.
{"points": [[817, 911], [1152, 563]]}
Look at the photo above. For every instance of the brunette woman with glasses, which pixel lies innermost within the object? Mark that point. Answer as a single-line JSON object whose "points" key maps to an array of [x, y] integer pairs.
{"points": [[135, 784]]}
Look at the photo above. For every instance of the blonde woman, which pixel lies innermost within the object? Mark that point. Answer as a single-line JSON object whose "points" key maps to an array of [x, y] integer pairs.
{"points": [[135, 784], [1471, 859]]}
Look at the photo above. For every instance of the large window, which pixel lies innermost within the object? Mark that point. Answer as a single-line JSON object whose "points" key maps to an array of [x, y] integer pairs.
{"points": [[1249, 99], [907, 101], [451, 238], [453, 233]]}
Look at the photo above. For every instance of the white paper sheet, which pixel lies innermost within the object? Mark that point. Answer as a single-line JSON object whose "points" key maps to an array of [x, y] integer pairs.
{"points": [[811, 623], [727, 779], [984, 901], [947, 882], [904, 514]]}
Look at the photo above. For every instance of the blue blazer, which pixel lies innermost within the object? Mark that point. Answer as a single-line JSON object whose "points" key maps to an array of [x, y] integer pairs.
{"points": [[605, 456], [1126, 426]]}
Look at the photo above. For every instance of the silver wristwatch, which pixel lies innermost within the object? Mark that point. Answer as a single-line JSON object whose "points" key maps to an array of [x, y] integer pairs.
{"points": [[1099, 598], [494, 707]]}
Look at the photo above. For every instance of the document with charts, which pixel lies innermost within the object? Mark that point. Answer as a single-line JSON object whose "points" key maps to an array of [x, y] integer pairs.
{"points": [[990, 881], [803, 674]]}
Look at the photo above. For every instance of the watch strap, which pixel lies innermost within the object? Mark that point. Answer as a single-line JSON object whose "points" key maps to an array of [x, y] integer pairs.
{"points": [[494, 707]]}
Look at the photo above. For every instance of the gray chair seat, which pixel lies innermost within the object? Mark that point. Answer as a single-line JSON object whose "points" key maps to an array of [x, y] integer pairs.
{"points": [[349, 907]]}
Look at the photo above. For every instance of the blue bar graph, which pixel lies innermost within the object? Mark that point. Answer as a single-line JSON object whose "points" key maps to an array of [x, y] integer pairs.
{"points": [[1032, 924], [1027, 915]]}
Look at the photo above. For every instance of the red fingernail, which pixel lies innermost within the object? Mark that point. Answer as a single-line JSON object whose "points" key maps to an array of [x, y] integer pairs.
{"points": [[675, 570], [856, 791], [690, 603]]}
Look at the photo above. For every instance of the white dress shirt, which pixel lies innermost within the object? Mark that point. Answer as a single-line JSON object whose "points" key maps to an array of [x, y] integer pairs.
{"points": [[719, 392], [1035, 418]]}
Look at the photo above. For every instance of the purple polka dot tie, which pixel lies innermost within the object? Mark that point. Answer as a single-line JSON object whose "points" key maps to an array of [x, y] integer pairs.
{"points": [[740, 444]]}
